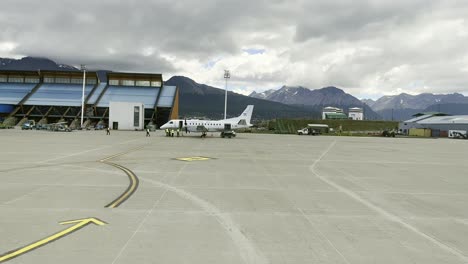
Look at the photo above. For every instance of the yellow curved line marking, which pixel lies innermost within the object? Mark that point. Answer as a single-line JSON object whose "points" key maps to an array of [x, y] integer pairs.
{"points": [[133, 178], [121, 154], [80, 223], [130, 190]]}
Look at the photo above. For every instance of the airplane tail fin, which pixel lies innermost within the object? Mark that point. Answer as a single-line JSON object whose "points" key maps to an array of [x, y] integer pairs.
{"points": [[247, 114]]}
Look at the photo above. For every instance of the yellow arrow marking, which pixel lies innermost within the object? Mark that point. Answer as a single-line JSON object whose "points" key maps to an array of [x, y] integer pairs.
{"points": [[80, 223]]}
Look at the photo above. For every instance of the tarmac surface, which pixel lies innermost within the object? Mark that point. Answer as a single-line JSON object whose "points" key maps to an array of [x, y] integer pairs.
{"points": [[250, 199]]}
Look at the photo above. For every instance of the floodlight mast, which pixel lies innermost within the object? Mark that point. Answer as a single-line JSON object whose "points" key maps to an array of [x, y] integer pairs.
{"points": [[227, 75], [83, 68]]}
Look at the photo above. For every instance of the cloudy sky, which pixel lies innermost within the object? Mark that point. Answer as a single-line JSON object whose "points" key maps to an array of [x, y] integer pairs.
{"points": [[367, 47]]}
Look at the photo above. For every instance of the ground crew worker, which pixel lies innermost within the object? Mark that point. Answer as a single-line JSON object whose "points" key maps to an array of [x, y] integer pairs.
{"points": [[172, 132], [167, 132], [178, 132], [108, 131], [147, 132]]}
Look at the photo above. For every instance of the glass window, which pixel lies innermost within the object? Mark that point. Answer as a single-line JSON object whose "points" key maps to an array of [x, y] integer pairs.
{"points": [[128, 82], [77, 80], [136, 116], [114, 82], [155, 83], [91, 81], [62, 80], [15, 79], [49, 79], [142, 83], [31, 80], [3, 78]]}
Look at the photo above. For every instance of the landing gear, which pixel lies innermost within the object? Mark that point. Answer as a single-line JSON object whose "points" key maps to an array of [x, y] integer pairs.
{"points": [[203, 135], [228, 134]]}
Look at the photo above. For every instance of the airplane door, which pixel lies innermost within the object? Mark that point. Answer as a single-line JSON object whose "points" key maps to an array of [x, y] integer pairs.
{"points": [[227, 127], [181, 124]]}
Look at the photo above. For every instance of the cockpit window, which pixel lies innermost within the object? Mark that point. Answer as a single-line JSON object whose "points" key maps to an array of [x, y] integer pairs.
{"points": [[171, 122]]}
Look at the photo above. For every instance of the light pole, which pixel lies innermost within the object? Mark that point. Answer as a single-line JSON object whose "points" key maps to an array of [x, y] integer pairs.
{"points": [[83, 68], [227, 75]]}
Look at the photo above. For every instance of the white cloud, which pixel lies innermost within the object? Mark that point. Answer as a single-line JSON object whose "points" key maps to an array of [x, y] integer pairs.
{"points": [[367, 47], [7, 49]]}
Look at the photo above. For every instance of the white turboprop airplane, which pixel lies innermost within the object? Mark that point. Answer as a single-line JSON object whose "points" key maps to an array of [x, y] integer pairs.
{"points": [[226, 127]]}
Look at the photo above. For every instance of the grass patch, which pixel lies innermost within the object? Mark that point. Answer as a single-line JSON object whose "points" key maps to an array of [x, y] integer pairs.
{"points": [[290, 126]]}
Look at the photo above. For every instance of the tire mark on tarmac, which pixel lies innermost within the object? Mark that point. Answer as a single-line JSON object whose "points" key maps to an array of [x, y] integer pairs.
{"points": [[247, 250], [43, 166], [381, 211], [302, 214], [47, 163], [132, 187], [25, 195], [86, 151]]}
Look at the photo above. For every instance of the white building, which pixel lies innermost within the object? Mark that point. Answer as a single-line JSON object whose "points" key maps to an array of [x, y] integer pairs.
{"points": [[126, 115], [356, 113], [331, 110]]}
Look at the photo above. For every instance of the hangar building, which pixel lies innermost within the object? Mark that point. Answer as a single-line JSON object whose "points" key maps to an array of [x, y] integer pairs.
{"points": [[435, 122], [55, 96]]}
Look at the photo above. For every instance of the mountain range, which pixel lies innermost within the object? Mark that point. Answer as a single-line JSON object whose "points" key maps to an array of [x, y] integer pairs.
{"points": [[315, 99], [202, 100], [403, 106], [33, 64], [420, 101]]}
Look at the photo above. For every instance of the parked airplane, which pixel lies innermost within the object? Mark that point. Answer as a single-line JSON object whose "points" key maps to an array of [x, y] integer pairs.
{"points": [[226, 127]]}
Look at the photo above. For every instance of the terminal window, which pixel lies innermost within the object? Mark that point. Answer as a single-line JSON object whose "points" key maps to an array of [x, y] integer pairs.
{"points": [[77, 80], [156, 84], [143, 83], [16, 79], [128, 83], [31, 80], [136, 116]]}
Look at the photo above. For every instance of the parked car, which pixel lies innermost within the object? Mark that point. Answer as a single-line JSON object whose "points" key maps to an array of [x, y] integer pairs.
{"points": [[389, 133], [28, 125], [63, 128]]}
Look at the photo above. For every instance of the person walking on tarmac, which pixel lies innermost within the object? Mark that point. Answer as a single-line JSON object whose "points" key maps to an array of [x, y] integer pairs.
{"points": [[108, 131], [147, 132], [178, 130]]}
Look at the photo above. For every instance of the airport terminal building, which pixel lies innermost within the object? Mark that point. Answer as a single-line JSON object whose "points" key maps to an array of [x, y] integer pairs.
{"points": [[56, 96]]}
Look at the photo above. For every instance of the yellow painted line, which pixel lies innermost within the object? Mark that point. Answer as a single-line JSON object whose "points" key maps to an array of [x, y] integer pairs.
{"points": [[121, 154], [193, 159], [131, 188], [79, 223], [133, 178]]}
